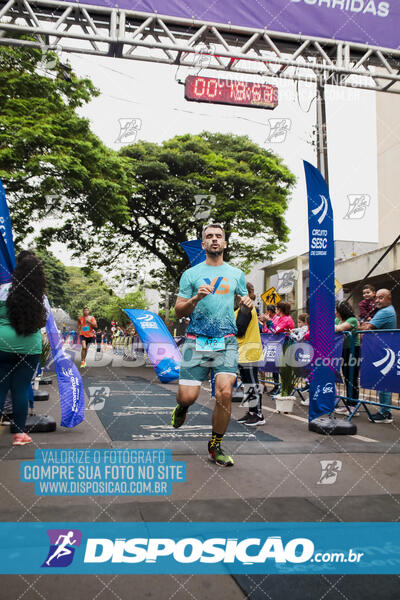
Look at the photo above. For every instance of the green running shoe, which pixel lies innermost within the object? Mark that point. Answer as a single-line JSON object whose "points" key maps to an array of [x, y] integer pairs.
{"points": [[217, 455], [178, 416]]}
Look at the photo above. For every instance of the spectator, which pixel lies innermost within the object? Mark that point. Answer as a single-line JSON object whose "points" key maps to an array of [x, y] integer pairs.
{"points": [[270, 315], [302, 334], [22, 315], [250, 355], [347, 321], [99, 339], [385, 318], [282, 324], [298, 334], [367, 307]]}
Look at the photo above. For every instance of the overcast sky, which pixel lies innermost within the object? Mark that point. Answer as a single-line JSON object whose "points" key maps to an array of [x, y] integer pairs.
{"points": [[151, 93]]}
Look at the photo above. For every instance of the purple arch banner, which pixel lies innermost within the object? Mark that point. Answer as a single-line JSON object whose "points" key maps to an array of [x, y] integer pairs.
{"points": [[373, 22]]}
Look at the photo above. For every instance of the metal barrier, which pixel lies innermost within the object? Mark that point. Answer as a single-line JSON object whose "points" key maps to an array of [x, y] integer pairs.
{"points": [[348, 390], [365, 398]]}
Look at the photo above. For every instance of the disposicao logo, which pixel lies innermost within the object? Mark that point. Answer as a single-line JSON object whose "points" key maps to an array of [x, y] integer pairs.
{"points": [[62, 547], [192, 550], [390, 357]]}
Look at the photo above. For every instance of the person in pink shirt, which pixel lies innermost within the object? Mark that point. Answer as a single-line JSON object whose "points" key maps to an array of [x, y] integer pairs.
{"points": [[284, 321]]}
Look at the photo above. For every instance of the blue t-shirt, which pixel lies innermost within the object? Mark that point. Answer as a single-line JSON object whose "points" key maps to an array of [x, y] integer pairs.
{"points": [[214, 315], [385, 318]]}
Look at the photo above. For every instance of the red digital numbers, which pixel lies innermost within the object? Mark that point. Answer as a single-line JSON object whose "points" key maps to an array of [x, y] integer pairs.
{"points": [[222, 91]]}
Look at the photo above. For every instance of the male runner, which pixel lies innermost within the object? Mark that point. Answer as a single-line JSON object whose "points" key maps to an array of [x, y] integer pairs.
{"points": [[207, 293], [86, 326]]}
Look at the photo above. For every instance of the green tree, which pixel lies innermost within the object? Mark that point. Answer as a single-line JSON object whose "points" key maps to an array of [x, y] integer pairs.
{"points": [[114, 310], [50, 161], [250, 184], [56, 277], [86, 288]]}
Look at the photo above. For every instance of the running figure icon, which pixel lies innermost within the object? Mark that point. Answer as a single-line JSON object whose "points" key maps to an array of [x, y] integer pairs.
{"points": [[62, 549]]}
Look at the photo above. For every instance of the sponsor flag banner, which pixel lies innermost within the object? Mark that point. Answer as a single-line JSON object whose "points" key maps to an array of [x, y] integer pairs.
{"points": [[70, 385], [380, 366], [199, 548], [322, 293], [7, 252], [158, 343], [68, 378], [194, 251]]}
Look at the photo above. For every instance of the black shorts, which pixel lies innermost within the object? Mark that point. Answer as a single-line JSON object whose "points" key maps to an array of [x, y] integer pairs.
{"points": [[89, 340]]}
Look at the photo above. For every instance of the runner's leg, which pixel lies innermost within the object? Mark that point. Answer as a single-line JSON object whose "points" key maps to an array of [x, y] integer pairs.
{"points": [[83, 350], [186, 396], [223, 394]]}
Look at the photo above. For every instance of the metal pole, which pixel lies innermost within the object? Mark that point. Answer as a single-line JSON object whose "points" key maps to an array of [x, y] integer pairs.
{"points": [[322, 140]]}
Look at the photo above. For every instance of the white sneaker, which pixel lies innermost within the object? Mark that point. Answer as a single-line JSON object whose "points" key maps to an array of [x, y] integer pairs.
{"points": [[342, 411]]}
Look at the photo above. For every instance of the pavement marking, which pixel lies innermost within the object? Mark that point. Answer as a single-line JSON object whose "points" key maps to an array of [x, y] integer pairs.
{"points": [[296, 418]]}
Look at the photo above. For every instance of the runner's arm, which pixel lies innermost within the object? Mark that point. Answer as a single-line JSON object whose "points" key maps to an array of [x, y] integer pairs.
{"points": [[185, 306], [242, 322]]}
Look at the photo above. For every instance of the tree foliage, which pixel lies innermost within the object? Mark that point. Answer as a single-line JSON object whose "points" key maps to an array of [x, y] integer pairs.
{"points": [[51, 163], [57, 278], [251, 187], [135, 206], [87, 288]]}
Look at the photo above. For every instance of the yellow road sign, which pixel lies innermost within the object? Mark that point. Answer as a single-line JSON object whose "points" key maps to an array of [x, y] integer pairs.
{"points": [[271, 296]]}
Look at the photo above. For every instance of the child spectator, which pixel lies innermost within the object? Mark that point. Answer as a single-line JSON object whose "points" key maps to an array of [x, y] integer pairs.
{"points": [[367, 307], [298, 334]]}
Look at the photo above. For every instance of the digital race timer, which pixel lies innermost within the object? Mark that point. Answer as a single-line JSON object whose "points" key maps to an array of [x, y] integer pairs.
{"points": [[227, 91]]}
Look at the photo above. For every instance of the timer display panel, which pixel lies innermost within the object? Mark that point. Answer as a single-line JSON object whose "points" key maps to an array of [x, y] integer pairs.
{"points": [[226, 91]]}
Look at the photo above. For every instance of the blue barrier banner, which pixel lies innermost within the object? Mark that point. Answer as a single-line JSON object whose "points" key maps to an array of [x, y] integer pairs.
{"points": [[70, 385], [7, 252], [337, 356], [194, 251], [158, 343], [272, 344], [322, 293], [199, 547], [380, 365], [298, 354]]}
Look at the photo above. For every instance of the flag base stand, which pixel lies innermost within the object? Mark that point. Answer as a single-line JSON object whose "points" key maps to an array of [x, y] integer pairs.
{"points": [[37, 424], [40, 395], [45, 381], [332, 426]]}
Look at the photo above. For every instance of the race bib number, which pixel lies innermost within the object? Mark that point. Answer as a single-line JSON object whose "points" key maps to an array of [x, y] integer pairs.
{"points": [[86, 328], [206, 344]]}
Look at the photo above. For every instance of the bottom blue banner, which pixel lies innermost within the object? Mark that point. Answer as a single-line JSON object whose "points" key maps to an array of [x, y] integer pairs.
{"points": [[194, 548]]}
